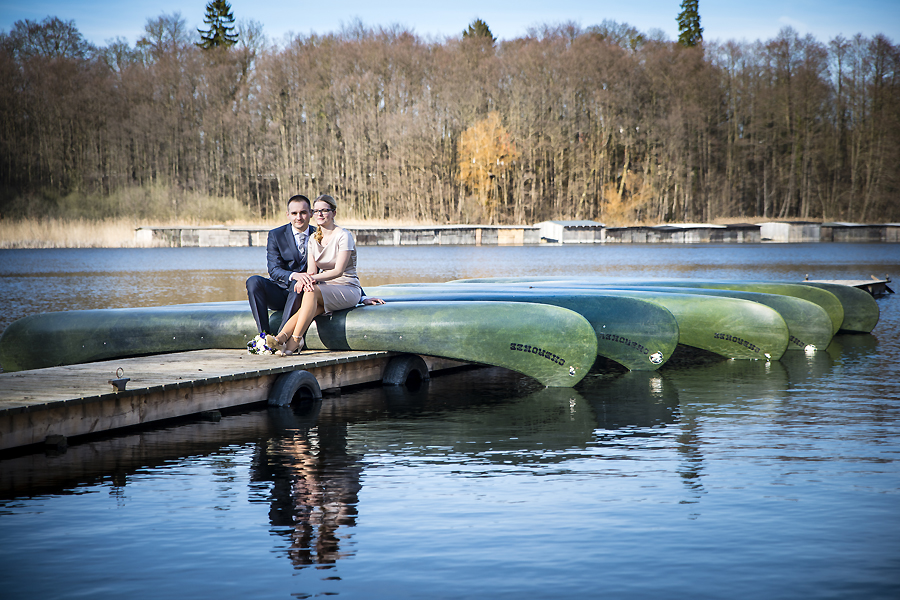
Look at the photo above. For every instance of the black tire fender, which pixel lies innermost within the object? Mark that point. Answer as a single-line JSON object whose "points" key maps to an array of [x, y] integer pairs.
{"points": [[406, 369], [294, 386]]}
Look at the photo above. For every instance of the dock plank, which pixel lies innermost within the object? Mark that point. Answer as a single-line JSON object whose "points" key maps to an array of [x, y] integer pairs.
{"points": [[199, 367], [78, 399]]}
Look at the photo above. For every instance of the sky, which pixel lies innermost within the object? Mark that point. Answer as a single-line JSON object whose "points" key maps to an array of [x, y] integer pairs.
{"points": [[103, 20]]}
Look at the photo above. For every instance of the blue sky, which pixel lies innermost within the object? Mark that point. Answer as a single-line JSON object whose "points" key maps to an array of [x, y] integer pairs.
{"points": [[102, 20]]}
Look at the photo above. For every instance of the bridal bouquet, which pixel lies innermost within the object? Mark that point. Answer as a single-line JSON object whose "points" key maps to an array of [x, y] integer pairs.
{"points": [[258, 346]]}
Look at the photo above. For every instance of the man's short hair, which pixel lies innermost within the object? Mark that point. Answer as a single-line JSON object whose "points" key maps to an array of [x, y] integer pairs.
{"points": [[298, 198]]}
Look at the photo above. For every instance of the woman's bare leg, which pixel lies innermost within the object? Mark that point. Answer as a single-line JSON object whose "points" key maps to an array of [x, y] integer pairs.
{"points": [[298, 318], [311, 306]]}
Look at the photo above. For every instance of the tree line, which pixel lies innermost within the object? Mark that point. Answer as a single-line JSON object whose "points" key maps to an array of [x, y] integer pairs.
{"points": [[604, 122]]}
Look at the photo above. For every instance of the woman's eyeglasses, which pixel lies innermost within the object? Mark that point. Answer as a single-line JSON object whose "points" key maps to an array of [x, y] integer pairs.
{"points": [[321, 211]]}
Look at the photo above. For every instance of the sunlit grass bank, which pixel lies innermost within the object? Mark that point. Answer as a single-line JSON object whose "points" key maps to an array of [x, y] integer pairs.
{"points": [[47, 220], [57, 233]]}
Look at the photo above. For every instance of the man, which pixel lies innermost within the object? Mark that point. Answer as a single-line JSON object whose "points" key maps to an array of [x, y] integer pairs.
{"points": [[286, 258]]}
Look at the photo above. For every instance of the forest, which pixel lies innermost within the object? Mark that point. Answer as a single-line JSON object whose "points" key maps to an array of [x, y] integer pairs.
{"points": [[566, 122]]}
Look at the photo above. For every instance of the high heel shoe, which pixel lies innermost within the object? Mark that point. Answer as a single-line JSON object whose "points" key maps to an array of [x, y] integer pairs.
{"points": [[290, 351], [274, 343]]}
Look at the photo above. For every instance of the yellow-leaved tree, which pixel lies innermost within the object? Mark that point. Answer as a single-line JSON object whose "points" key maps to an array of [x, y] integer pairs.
{"points": [[486, 154]]}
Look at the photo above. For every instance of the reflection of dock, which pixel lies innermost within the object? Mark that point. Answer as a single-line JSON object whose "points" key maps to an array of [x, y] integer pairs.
{"points": [[40, 405]]}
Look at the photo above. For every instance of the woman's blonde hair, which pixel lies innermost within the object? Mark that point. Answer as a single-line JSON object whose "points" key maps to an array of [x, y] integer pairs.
{"points": [[330, 202]]}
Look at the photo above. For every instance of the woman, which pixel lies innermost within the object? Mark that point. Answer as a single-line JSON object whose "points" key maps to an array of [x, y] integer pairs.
{"points": [[330, 282]]}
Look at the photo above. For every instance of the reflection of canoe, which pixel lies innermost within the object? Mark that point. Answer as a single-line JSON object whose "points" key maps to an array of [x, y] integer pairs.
{"points": [[632, 401], [558, 420], [736, 383], [731, 327], [637, 334], [554, 345]]}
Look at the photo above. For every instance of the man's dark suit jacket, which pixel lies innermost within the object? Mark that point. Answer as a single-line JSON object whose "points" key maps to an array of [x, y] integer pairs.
{"points": [[282, 255]]}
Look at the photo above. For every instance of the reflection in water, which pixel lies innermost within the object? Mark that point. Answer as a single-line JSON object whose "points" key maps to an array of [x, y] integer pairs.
{"points": [[485, 417], [642, 403], [710, 387], [803, 368], [114, 458], [618, 454], [642, 400], [768, 452], [315, 483]]}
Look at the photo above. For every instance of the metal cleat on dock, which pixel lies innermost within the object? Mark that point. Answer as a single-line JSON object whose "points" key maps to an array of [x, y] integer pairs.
{"points": [[119, 382]]}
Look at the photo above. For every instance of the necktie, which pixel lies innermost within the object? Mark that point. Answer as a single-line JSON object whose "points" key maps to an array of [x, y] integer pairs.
{"points": [[301, 245]]}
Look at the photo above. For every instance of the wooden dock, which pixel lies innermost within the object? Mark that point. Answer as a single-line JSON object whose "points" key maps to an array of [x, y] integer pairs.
{"points": [[48, 406]]}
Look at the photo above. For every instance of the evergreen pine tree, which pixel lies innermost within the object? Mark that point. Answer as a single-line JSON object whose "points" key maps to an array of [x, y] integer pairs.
{"points": [[479, 28], [689, 31], [221, 26]]}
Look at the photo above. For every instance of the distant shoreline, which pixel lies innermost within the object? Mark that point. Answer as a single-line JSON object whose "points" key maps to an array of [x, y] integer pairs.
{"points": [[111, 233], [125, 233]]}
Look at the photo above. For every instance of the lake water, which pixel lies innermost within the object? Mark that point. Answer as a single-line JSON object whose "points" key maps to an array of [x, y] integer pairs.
{"points": [[709, 479]]}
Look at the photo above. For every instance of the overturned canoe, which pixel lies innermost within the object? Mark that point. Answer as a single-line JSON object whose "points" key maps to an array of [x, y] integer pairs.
{"points": [[639, 335], [809, 326], [80, 336], [850, 308], [731, 327], [861, 312], [554, 345], [829, 301]]}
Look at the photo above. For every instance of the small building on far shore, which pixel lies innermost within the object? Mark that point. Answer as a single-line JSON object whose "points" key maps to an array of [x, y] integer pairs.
{"points": [[892, 232], [852, 232], [571, 232], [790, 231], [683, 233], [552, 232]]}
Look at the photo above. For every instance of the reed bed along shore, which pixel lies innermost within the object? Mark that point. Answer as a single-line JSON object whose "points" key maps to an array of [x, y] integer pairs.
{"points": [[64, 233], [119, 233], [47, 219]]}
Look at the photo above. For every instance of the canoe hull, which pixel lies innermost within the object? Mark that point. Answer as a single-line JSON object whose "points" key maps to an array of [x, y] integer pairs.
{"points": [[810, 292], [554, 345], [809, 326], [639, 335], [861, 312], [731, 327], [80, 336]]}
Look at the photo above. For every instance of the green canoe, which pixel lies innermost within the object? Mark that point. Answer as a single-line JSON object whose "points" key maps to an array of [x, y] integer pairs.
{"points": [[732, 327], [832, 305], [809, 326], [861, 312], [639, 335], [80, 336], [554, 345]]}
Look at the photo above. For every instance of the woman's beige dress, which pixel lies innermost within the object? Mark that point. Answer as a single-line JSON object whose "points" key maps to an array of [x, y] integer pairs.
{"points": [[343, 291]]}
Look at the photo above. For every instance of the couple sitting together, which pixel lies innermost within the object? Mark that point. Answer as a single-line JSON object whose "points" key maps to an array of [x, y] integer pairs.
{"points": [[312, 271]]}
